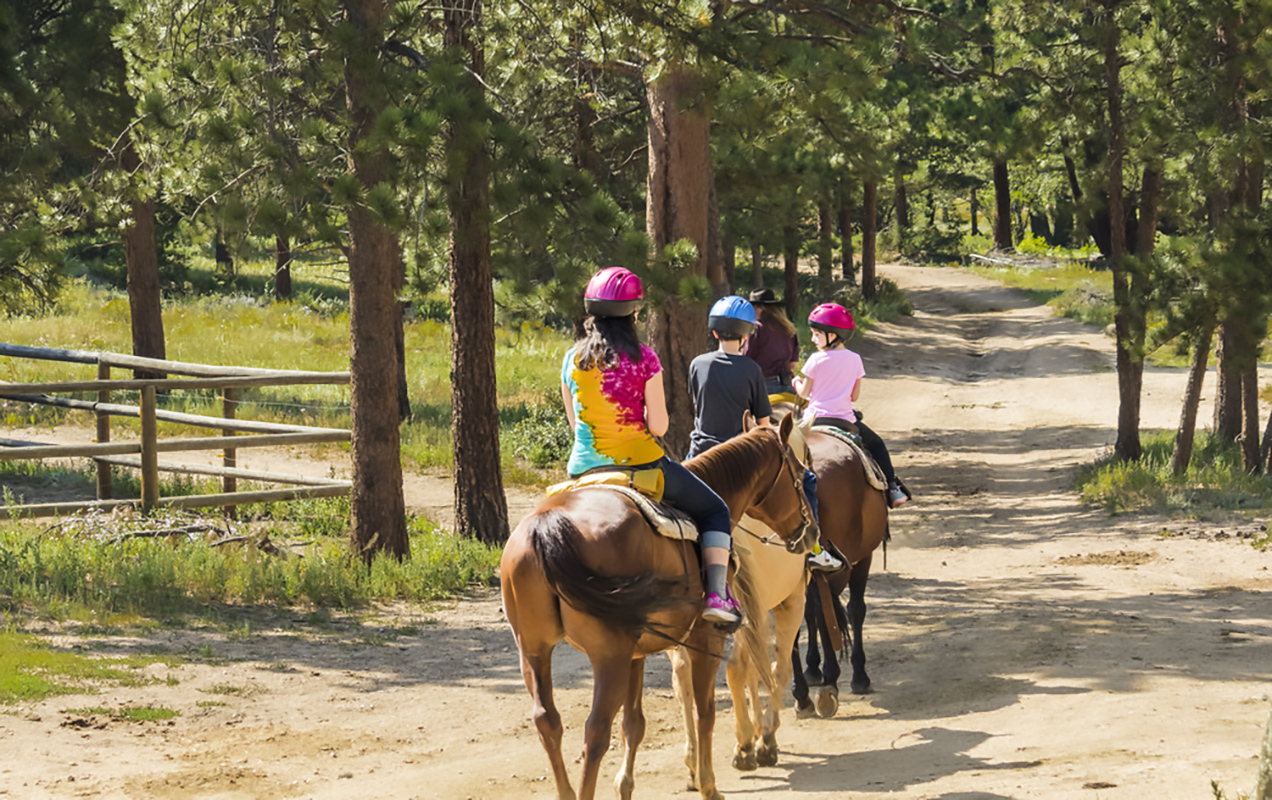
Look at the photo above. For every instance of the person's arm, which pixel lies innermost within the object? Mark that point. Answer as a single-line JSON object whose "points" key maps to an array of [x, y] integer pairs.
{"points": [[804, 387], [656, 405], [569, 405], [856, 391]]}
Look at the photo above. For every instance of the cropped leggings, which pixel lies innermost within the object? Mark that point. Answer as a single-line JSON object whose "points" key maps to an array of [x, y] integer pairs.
{"points": [[687, 492]]}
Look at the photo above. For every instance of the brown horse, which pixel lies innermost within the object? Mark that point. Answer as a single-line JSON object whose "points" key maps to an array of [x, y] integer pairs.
{"points": [[853, 515], [586, 567]]}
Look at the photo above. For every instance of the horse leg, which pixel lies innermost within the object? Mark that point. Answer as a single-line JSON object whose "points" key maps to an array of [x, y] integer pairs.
{"points": [[633, 729], [611, 675], [803, 705], [737, 674], [536, 668], [787, 617], [828, 695], [813, 619], [682, 683], [705, 666], [857, 615]]}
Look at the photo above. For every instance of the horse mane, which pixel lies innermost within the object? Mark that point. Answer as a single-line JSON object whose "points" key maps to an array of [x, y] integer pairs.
{"points": [[730, 467]]}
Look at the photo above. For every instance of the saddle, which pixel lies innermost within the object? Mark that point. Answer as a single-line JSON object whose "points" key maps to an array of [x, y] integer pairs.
{"points": [[644, 488], [838, 428]]}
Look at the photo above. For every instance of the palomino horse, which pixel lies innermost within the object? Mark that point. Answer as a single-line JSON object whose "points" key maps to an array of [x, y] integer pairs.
{"points": [[586, 567], [854, 516], [770, 578]]}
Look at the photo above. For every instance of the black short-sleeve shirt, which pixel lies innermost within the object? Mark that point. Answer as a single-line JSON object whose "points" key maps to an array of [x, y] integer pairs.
{"points": [[723, 386]]}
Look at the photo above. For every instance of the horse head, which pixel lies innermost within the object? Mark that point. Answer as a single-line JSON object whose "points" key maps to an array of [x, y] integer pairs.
{"points": [[783, 505]]}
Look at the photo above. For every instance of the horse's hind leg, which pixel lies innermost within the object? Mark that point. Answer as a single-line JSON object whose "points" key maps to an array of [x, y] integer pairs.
{"points": [[813, 619], [828, 694], [536, 668], [857, 617], [803, 705], [633, 729], [611, 673]]}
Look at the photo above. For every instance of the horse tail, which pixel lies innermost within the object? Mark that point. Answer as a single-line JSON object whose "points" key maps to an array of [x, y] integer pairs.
{"points": [[625, 602], [753, 642]]}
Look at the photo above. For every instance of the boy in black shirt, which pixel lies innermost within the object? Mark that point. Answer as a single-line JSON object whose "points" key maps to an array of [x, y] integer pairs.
{"points": [[725, 383]]}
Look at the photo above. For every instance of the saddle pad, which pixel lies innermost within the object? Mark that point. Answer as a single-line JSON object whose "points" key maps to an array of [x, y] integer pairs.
{"points": [[667, 521], [646, 481], [873, 473]]}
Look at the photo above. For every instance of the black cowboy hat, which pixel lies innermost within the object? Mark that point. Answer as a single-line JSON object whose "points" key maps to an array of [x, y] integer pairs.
{"points": [[764, 297]]}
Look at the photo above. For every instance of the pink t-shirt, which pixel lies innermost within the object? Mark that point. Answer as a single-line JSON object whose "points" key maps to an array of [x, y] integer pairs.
{"points": [[834, 373]]}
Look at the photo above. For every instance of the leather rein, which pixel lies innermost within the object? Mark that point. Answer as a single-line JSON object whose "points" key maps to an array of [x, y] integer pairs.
{"points": [[796, 542]]}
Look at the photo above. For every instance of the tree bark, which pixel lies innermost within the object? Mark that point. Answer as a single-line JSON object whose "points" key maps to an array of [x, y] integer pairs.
{"points": [[377, 505], [1181, 455], [869, 233], [1250, 419], [716, 273], [790, 263], [902, 204], [757, 265], [1128, 330], [846, 194], [142, 259], [975, 211], [730, 248], [825, 247], [481, 509], [282, 267], [1227, 423], [677, 198], [1002, 207]]}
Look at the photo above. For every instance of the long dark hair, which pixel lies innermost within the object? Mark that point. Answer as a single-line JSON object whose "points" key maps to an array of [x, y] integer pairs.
{"points": [[774, 315], [604, 339]]}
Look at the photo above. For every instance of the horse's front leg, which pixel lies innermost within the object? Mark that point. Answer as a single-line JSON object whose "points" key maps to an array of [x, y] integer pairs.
{"points": [[787, 616], [814, 620], [682, 682], [705, 661], [737, 674], [611, 675], [633, 729]]}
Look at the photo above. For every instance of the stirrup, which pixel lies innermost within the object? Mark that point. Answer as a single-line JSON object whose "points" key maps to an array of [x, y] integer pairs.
{"points": [[825, 561]]}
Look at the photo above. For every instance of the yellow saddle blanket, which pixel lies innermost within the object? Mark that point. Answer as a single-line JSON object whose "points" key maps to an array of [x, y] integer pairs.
{"points": [[645, 489]]}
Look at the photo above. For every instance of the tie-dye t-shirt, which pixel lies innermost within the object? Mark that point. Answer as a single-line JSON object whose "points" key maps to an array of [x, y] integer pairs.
{"points": [[609, 412]]}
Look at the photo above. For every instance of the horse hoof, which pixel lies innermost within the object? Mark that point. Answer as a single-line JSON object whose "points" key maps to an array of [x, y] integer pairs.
{"points": [[813, 676], [805, 712], [828, 702], [861, 686], [766, 753], [625, 786], [744, 759]]}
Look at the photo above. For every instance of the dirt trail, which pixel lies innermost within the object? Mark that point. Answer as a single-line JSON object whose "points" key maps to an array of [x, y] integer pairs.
{"points": [[1021, 645]]}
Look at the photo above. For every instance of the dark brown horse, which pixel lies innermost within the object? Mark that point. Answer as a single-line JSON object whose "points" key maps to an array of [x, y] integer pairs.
{"points": [[854, 516], [586, 567]]}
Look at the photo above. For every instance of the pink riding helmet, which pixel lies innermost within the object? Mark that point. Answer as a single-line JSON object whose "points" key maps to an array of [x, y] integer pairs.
{"points": [[831, 318], [613, 292]]}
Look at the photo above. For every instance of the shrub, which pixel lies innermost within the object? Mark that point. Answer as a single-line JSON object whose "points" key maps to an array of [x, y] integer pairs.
{"points": [[544, 436]]}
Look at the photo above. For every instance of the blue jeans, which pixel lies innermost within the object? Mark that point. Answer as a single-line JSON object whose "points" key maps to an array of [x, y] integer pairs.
{"points": [[687, 492]]}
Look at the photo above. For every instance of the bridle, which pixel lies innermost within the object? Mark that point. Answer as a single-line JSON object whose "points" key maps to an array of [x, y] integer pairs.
{"points": [[794, 544]]}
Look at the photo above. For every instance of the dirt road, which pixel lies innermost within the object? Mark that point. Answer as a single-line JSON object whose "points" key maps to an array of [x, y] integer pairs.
{"points": [[1021, 645]]}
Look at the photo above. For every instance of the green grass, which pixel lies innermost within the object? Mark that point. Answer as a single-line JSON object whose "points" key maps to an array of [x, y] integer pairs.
{"points": [[32, 670], [1074, 290], [128, 713], [63, 571], [1214, 480]]}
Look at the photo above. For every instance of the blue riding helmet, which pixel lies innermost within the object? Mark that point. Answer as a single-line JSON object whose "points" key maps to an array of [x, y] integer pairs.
{"points": [[732, 316]]}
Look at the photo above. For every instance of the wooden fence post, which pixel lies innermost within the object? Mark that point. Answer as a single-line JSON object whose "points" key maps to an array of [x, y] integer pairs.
{"points": [[229, 483], [103, 434], [149, 452]]}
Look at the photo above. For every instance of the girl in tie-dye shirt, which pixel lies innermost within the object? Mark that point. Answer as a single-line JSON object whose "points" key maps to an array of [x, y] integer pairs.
{"points": [[614, 398]]}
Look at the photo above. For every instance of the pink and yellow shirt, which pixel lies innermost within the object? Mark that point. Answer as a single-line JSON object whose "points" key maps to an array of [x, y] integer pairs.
{"points": [[609, 412]]}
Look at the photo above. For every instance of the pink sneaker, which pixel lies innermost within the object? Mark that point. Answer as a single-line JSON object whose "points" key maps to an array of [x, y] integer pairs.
{"points": [[723, 610]]}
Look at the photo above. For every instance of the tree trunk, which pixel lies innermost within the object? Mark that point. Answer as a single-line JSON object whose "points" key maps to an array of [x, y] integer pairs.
{"points": [[730, 261], [1002, 208], [757, 265], [142, 259], [1228, 390], [825, 247], [481, 510], [869, 232], [282, 267], [716, 272], [1250, 418], [677, 198], [846, 193], [377, 505], [1184, 436], [790, 263], [1127, 322], [902, 203], [975, 209]]}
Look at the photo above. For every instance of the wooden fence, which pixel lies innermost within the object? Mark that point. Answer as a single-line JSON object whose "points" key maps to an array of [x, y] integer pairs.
{"points": [[143, 454]]}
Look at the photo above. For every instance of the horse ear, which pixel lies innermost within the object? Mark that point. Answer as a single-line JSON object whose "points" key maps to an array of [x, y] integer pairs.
{"points": [[784, 430], [748, 420]]}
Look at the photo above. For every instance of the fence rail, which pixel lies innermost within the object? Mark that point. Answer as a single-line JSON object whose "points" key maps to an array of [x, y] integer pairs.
{"points": [[143, 454]]}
